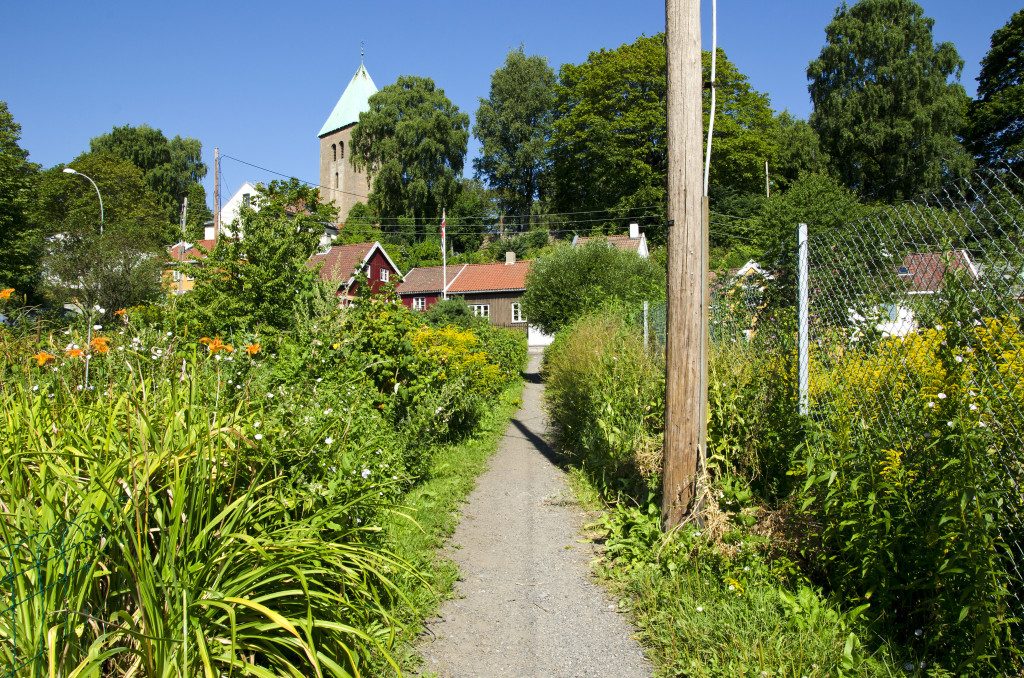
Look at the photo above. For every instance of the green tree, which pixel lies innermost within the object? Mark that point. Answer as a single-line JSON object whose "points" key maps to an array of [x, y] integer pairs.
{"points": [[799, 151], [997, 116], [514, 126], [170, 167], [608, 141], [884, 108], [115, 269], [258, 280], [360, 226], [571, 281], [472, 218], [20, 239], [412, 144]]}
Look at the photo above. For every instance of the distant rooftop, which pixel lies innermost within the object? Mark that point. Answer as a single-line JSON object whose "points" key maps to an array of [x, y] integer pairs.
{"points": [[353, 101]]}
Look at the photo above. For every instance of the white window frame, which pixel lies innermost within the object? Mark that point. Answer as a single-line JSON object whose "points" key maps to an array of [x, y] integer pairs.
{"points": [[385, 275], [517, 313], [481, 310], [419, 303]]}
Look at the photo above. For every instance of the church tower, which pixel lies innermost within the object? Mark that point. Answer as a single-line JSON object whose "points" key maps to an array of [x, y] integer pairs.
{"points": [[339, 181]]}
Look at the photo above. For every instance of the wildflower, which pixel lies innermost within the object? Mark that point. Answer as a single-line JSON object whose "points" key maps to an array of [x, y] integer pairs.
{"points": [[74, 352], [258, 436], [366, 473], [949, 424], [36, 387], [100, 345], [253, 348], [959, 358], [256, 425], [700, 609], [270, 395], [97, 327], [42, 358], [121, 313], [942, 396], [931, 403], [329, 441], [218, 345], [974, 407], [6, 294]]}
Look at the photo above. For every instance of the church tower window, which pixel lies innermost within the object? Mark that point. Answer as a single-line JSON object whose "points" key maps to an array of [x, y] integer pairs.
{"points": [[341, 147], [334, 149], [336, 180]]}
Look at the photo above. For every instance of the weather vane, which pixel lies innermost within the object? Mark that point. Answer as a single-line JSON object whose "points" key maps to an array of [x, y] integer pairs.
{"points": [[362, 44]]}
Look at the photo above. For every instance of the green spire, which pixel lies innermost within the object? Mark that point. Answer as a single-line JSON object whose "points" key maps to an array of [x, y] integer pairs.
{"points": [[354, 101]]}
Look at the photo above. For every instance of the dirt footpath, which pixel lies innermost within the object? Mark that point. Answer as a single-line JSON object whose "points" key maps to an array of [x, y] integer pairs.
{"points": [[526, 607]]}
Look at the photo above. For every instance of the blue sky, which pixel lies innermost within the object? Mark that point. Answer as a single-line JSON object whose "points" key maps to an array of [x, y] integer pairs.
{"points": [[258, 79]]}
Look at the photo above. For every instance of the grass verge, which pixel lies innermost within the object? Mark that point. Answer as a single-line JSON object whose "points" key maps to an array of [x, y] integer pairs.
{"points": [[419, 531]]}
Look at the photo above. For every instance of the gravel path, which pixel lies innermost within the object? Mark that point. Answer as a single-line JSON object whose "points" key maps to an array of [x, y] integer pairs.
{"points": [[526, 607]]}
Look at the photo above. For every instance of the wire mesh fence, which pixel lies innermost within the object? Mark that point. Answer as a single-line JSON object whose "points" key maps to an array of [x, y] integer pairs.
{"points": [[915, 346], [39, 576]]}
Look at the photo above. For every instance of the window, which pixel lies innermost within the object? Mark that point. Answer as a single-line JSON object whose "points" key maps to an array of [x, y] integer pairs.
{"points": [[245, 199], [481, 310], [335, 179], [902, 270], [385, 275], [341, 148], [419, 303], [176, 275], [517, 313], [334, 149]]}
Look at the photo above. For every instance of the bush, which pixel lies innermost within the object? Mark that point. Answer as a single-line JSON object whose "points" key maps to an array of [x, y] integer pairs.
{"points": [[572, 281]]}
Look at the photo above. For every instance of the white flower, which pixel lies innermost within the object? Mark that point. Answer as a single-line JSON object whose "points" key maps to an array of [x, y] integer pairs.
{"points": [[746, 569], [258, 436], [270, 395], [230, 382], [170, 334], [359, 521], [931, 403], [256, 425], [942, 396], [959, 359], [36, 387], [949, 424], [974, 407], [97, 327], [329, 441], [700, 609], [319, 379], [366, 473]]}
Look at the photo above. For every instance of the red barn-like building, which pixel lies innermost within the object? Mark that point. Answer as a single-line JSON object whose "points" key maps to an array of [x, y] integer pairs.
{"points": [[342, 264]]}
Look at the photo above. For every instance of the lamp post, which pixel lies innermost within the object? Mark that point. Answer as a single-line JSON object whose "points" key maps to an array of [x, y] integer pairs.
{"points": [[68, 170]]}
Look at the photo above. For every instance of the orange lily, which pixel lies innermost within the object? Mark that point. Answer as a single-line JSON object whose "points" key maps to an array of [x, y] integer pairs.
{"points": [[6, 294], [74, 352], [121, 312], [100, 345], [218, 345], [253, 348], [206, 341], [42, 358]]}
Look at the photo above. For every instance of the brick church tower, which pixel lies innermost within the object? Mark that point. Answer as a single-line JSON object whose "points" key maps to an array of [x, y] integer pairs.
{"points": [[339, 181]]}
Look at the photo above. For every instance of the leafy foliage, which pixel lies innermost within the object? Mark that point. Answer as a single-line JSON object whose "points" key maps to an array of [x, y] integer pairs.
{"points": [[20, 239], [997, 121], [883, 108], [117, 268], [514, 125], [571, 281], [412, 143], [254, 281], [171, 168]]}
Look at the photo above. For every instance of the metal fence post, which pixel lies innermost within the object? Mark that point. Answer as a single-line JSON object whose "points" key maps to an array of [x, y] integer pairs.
{"points": [[804, 321], [646, 333]]}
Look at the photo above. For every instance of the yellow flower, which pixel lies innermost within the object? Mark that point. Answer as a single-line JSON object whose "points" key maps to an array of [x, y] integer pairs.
{"points": [[42, 358], [253, 348], [6, 294]]}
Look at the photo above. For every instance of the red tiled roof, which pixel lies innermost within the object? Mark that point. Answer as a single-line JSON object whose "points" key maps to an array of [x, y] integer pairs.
{"points": [[622, 242], [924, 272], [340, 261], [428, 279], [196, 251], [490, 278]]}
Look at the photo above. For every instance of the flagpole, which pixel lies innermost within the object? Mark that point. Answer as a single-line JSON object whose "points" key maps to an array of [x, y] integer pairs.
{"points": [[444, 261]]}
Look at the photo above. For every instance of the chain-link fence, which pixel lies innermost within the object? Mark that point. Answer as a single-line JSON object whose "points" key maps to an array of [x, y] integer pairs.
{"points": [[904, 331]]}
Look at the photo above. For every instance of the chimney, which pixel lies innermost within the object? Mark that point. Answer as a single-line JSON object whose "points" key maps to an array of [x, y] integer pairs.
{"points": [[634, 231], [510, 258]]}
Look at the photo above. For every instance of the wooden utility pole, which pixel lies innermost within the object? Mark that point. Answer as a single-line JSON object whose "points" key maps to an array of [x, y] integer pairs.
{"points": [[686, 336], [216, 194]]}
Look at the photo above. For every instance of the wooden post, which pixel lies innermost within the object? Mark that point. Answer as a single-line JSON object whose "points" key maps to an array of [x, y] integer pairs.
{"points": [[685, 360]]}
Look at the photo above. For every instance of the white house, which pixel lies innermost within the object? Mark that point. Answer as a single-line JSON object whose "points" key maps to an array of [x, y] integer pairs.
{"points": [[246, 195]]}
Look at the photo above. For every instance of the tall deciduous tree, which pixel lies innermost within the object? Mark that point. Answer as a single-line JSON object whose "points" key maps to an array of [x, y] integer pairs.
{"points": [[514, 125], [116, 269], [883, 105], [608, 141], [799, 151], [412, 144], [997, 116], [171, 167], [20, 241], [255, 281]]}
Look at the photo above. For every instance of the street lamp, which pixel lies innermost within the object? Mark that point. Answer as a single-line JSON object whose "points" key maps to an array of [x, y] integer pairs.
{"points": [[68, 170]]}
